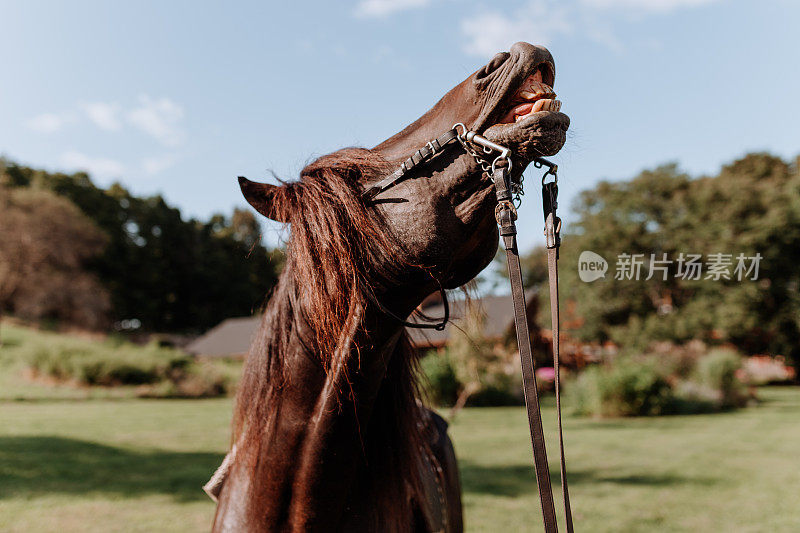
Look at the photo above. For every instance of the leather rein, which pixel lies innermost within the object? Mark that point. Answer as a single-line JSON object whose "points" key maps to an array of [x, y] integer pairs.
{"points": [[508, 194]]}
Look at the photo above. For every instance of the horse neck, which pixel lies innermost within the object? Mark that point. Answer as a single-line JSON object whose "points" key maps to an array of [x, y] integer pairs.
{"points": [[325, 423]]}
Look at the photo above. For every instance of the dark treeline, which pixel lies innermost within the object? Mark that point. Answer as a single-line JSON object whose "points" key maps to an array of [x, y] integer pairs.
{"points": [[154, 267], [752, 206]]}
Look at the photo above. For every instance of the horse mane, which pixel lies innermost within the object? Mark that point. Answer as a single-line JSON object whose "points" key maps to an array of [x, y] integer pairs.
{"points": [[339, 252]]}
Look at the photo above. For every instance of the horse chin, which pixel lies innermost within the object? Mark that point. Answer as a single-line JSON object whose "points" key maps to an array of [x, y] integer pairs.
{"points": [[469, 269], [474, 258]]}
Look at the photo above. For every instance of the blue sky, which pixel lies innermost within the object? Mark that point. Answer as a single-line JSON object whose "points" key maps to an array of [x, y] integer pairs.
{"points": [[179, 98]]}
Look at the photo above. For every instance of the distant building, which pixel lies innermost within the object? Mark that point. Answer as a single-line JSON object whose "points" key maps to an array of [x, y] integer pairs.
{"points": [[232, 337], [229, 338]]}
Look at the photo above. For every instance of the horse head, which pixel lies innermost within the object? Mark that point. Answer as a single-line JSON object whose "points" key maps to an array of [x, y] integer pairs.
{"points": [[443, 218]]}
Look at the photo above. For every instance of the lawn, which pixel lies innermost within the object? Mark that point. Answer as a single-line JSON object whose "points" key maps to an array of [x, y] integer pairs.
{"points": [[99, 459], [137, 465]]}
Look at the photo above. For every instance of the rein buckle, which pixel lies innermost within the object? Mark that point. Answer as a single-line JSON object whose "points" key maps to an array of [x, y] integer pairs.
{"points": [[504, 205]]}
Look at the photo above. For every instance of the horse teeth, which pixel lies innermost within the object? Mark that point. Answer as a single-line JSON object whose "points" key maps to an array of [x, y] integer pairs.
{"points": [[544, 104], [531, 89], [528, 95], [523, 110]]}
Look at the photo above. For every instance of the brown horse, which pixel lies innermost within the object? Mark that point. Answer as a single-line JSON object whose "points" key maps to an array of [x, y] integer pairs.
{"points": [[328, 432]]}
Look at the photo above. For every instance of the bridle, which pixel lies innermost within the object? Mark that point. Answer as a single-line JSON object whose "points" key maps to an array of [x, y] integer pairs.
{"points": [[508, 193]]}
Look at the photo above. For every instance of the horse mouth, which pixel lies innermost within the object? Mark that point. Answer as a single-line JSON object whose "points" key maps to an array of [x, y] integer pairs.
{"points": [[530, 121], [534, 94]]}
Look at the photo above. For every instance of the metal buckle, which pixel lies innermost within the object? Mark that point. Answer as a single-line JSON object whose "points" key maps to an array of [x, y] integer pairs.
{"points": [[430, 147], [552, 234], [504, 205]]}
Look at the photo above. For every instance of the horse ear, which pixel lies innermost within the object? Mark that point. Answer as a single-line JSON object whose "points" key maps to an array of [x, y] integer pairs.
{"points": [[261, 196]]}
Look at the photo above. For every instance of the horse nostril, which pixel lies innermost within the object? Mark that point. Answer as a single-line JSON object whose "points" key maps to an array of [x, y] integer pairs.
{"points": [[493, 65]]}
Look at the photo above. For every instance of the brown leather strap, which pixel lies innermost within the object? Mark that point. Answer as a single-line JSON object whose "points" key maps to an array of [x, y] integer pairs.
{"points": [[552, 270], [506, 214], [430, 149], [552, 232]]}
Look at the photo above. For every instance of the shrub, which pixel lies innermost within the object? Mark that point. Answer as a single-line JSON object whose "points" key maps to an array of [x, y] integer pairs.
{"points": [[494, 385], [675, 360], [99, 365], [439, 380], [627, 387], [493, 396], [157, 371], [200, 382], [718, 372], [765, 370], [669, 379]]}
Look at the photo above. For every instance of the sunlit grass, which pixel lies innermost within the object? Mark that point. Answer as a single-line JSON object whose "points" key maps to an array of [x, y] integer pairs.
{"points": [[736, 471], [109, 465], [138, 465]]}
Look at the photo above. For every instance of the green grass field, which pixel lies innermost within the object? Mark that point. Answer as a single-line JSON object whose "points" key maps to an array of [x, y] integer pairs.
{"points": [[137, 465], [96, 459]]}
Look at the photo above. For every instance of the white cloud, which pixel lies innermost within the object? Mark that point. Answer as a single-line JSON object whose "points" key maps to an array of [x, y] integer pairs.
{"points": [[96, 166], [383, 8], [160, 118], [491, 31], [105, 116], [158, 164], [49, 122], [645, 5], [541, 21]]}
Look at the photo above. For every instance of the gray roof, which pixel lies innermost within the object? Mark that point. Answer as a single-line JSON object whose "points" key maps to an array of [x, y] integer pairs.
{"points": [[499, 311], [232, 337]]}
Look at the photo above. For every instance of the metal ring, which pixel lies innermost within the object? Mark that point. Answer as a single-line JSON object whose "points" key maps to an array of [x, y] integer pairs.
{"points": [[549, 172], [460, 135], [500, 158]]}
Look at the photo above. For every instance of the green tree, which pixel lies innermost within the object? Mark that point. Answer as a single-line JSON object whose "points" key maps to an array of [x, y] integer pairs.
{"points": [[45, 244], [751, 207], [170, 273]]}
